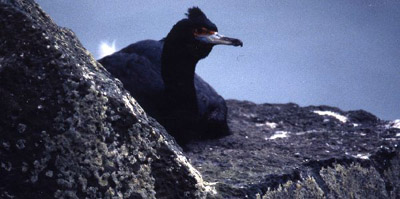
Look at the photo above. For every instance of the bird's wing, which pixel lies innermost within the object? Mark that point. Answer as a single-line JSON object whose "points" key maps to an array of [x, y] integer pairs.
{"points": [[210, 103], [139, 69]]}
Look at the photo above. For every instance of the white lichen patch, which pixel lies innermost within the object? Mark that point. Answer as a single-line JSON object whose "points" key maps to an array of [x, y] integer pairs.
{"points": [[271, 125], [278, 134], [306, 132], [362, 156], [339, 117], [395, 124], [250, 115]]}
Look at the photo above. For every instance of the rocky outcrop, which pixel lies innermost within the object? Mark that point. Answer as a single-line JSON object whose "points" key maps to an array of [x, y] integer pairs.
{"points": [[68, 129], [287, 151]]}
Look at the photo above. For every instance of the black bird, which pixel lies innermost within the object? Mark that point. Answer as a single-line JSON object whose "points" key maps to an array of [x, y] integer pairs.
{"points": [[160, 75]]}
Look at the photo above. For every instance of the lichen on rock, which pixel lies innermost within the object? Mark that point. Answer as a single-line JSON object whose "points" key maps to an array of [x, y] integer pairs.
{"points": [[69, 129]]}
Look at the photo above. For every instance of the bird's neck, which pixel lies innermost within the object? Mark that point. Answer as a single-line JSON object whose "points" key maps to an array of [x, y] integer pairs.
{"points": [[178, 70]]}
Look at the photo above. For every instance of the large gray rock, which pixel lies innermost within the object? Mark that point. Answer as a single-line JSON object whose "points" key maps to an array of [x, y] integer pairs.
{"points": [[287, 151], [68, 129]]}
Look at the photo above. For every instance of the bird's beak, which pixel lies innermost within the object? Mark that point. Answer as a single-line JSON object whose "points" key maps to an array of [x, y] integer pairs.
{"points": [[217, 39]]}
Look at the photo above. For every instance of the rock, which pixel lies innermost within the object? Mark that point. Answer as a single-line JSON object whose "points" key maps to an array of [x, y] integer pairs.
{"points": [[287, 151], [68, 130]]}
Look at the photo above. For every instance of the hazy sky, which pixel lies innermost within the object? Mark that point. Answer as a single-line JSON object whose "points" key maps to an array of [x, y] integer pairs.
{"points": [[311, 52]]}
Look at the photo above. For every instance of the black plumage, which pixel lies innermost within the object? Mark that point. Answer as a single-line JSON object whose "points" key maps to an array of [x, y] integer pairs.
{"points": [[160, 75]]}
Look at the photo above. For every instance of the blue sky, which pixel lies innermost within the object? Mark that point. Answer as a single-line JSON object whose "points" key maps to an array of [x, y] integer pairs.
{"points": [[311, 52]]}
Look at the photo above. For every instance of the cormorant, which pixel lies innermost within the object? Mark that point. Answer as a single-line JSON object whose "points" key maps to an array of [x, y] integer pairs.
{"points": [[160, 75]]}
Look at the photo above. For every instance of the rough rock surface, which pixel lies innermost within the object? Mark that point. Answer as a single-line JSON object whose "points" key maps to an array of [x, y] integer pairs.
{"points": [[287, 151], [68, 129]]}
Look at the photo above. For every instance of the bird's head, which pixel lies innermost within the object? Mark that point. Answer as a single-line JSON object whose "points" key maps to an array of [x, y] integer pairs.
{"points": [[196, 35]]}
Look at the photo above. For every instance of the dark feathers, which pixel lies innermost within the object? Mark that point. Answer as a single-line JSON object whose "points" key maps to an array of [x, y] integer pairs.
{"points": [[199, 18], [160, 75], [138, 66], [195, 13]]}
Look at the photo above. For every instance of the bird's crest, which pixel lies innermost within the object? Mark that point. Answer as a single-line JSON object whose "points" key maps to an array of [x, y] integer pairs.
{"points": [[195, 13]]}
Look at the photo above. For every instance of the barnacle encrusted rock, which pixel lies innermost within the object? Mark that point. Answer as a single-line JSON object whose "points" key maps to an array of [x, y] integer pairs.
{"points": [[68, 129]]}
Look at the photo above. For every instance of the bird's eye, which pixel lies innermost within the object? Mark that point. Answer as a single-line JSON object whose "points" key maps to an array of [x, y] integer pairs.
{"points": [[202, 31]]}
